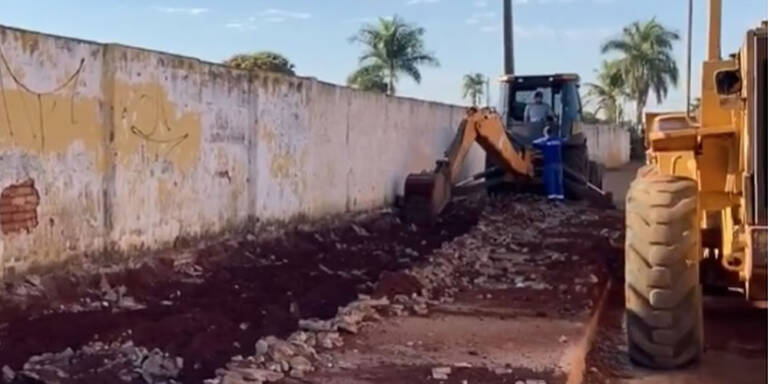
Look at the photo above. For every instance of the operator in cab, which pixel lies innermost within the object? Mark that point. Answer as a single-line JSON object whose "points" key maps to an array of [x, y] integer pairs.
{"points": [[538, 110]]}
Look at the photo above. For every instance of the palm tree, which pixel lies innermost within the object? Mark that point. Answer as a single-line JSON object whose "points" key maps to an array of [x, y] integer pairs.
{"points": [[608, 92], [264, 61], [473, 87], [369, 78], [646, 61], [394, 47]]}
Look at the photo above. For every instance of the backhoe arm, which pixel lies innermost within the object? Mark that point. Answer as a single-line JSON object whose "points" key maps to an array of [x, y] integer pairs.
{"points": [[486, 128], [427, 194]]}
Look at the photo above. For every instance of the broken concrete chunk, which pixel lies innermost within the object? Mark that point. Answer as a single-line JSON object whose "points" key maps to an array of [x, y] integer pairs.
{"points": [[329, 340], [258, 375], [262, 347], [315, 325], [301, 364], [8, 374], [159, 367], [347, 326], [360, 230], [441, 373]]}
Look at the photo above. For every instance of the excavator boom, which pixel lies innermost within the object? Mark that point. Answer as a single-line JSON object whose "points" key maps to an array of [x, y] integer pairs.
{"points": [[427, 193]]}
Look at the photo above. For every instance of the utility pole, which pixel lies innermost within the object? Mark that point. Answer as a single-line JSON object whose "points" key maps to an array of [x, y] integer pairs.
{"points": [[509, 41], [488, 92]]}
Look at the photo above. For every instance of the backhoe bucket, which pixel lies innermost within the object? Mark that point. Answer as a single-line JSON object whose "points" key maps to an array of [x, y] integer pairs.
{"points": [[426, 195]]}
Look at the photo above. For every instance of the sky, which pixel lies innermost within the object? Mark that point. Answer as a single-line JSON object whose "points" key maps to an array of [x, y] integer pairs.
{"points": [[465, 35]]}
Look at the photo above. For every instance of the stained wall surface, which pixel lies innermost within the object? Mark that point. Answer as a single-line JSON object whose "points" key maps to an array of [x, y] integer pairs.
{"points": [[608, 144], [109, 148]]}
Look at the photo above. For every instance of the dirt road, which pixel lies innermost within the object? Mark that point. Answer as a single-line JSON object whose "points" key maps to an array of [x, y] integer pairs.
{"points": [[735, 337], [206, 304], [499, 290]]}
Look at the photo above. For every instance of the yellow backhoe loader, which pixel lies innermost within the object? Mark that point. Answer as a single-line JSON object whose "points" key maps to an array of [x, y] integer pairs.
{"points": [[696, 214], [508, 142]]}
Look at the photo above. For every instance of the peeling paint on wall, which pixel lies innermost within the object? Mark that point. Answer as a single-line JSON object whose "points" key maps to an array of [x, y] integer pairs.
{"points": [[18, 207]]}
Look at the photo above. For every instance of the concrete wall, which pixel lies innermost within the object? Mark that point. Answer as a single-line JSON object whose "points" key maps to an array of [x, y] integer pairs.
{"points": [[608, 144], [111, 148]]}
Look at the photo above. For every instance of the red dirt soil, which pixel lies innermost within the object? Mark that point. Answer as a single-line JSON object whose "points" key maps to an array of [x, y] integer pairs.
{"points": [[248, 290]]}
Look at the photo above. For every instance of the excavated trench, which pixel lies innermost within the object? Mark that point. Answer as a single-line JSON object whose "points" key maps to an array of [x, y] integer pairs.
{"points": [[216, 302]]}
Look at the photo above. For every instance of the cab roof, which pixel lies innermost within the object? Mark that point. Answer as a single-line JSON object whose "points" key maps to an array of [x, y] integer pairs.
{"points": [[555, 78]]}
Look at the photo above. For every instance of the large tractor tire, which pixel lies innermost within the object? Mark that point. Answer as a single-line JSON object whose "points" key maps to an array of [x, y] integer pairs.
{"points": [[663, 294]]}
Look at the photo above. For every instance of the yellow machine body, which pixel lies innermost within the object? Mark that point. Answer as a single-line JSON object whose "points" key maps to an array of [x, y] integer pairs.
{"points": [[723, 149]]}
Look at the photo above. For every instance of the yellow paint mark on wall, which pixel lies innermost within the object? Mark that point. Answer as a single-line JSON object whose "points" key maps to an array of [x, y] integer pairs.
{"points": [[49, 123], [147, 124], [281, 166]]}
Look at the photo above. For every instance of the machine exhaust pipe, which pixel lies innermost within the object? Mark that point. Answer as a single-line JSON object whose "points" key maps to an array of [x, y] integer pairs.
{"points": [[715, 21], [688, 62], [509, 42]]}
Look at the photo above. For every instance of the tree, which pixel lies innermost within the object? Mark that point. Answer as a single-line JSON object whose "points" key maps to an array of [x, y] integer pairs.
{"points": [[369, 78], [590, 117], [645, 61], [474, 85], [608, 92], [393, 47], [264, 61]]}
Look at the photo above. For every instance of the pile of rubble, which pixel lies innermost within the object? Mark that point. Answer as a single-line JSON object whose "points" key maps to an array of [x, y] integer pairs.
{"points": [[125, 361], [473, 260]]}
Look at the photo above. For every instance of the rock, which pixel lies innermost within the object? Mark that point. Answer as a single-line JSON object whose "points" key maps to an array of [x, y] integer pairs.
{"points": [[329, 340], [441, 373], [315, 325], [303, 349], [262, 347], [347, 326], [563, 339], [129, 303], [259, 375], [104, 284], [281, 351], [274, 366], [360, 230], [34, 281], [301, 364], [158, 368], [421, 309], [8, 374], [232, 378]]}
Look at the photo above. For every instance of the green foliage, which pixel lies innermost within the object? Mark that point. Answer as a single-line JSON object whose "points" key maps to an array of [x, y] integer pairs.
{"points": [[645, 61], [590, 117], [369, 78], [474, 87], [264, 61], [393, 47], [609, 92]]}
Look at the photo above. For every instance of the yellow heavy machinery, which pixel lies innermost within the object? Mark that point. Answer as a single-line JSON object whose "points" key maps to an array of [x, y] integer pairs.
{"points": [[508, 142], [696, 214], [427, 193]]}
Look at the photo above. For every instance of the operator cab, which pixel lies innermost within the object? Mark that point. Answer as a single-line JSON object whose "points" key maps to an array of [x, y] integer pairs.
{"points": [[561, 93]]}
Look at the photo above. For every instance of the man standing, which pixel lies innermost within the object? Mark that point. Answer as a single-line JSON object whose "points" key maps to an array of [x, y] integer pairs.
{"points": [[538, 110]]}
